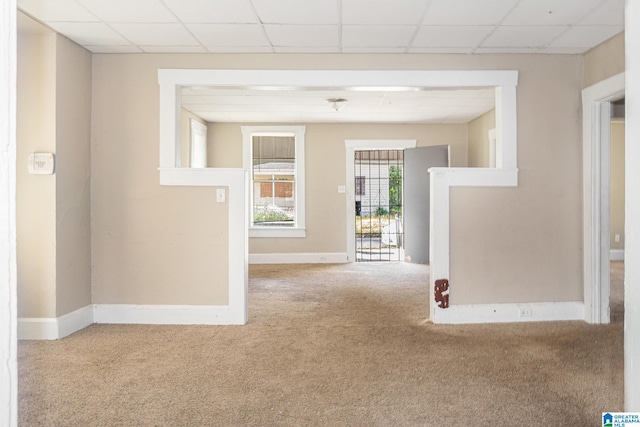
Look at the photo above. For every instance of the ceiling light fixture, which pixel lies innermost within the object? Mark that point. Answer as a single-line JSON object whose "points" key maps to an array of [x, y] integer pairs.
{"points": [[337, 103]]}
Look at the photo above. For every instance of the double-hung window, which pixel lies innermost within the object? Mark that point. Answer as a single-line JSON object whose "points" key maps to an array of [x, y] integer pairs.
{"points": [[274, 155]]}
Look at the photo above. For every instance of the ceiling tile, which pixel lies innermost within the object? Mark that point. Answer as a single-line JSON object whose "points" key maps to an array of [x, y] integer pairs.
{"points": [[585, 36], [562, 50], [463, 50], [522, 36], [239, 49], [129, 11], [213, 11], [90, 33], [156, 34], [174, 49], [302, 35], [467, 12], [114, 49], [227, 35], [609, 13], [297, 11], [550, 12], [60, 10], [374, 49], [376, 35], [450, 36], [383, 12], [306, 49], [509, 49]]}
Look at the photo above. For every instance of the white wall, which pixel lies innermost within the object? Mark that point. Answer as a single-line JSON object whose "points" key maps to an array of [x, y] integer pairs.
{"points": [[632, 211]]}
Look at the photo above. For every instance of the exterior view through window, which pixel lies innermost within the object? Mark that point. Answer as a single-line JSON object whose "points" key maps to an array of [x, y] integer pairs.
{"points": [[274, 180]]}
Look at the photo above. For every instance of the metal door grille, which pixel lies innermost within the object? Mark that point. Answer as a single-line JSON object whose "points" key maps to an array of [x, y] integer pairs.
{"points": [[378, 182]]}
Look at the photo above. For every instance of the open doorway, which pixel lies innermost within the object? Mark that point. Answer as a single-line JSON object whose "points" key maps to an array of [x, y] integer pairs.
{"points": [[378, 190]]}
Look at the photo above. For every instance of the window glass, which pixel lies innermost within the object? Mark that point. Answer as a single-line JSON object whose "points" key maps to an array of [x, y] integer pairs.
{"points": [[274, 179]]}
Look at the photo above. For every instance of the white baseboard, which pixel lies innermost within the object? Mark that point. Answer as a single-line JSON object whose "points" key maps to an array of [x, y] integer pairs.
{"points": [[53, 328], [164, 314], [298, 258], [616, 254], [505, 313]]}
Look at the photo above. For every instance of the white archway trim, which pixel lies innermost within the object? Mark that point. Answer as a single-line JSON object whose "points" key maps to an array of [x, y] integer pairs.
{"points": [[504, 82], [595, 172]]}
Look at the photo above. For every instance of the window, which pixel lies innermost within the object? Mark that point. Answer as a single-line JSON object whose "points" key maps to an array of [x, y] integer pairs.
{"points": [[274, 155]]}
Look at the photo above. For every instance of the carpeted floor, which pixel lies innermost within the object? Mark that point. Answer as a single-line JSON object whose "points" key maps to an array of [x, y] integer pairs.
{"points": [[339, 345]]}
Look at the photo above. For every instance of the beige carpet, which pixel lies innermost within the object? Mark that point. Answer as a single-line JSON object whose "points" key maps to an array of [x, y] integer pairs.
{"points": [[326, 345]]}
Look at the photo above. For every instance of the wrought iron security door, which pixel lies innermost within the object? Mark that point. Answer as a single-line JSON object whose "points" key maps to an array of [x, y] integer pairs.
{"points": [[378, 179]]}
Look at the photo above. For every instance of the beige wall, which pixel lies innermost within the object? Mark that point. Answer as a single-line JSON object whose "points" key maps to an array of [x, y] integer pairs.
{"points": [[508, 244], [54, 225], [36, 194], [73, 157], [525, 243], [326, 170], [150, 244], [617, 184], [604, 60], [478, 139]]}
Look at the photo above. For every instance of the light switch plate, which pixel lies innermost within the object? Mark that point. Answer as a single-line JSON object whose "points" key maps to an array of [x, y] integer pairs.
{"points": [[341, 189], [41, 163]]}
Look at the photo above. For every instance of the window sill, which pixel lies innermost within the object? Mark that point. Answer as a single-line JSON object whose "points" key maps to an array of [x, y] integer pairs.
{"points": [[271, 232]]}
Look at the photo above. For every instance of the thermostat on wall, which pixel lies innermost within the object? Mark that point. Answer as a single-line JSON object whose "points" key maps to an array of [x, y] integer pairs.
{"points": [[41, 163]]}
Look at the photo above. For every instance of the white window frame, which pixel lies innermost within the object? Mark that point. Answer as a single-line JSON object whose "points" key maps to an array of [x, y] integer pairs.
{"points": [[299, 229]]}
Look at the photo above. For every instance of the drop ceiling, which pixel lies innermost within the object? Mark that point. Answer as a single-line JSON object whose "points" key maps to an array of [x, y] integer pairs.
{"points": [[333, 26]]}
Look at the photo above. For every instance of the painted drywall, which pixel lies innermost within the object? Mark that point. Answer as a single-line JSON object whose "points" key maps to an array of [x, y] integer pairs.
{"points": [[150, 244], [54, 115], [501, 237], [73, 164], [524, 244], [604, 60], [325, 171], [478, 139], [617, 184], [36, 194]]}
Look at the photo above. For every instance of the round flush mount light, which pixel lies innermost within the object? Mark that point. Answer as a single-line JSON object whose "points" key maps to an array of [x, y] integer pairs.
{"points": [[337, 103]]}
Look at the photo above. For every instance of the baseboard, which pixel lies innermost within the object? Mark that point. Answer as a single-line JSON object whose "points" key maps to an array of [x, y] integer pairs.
{"points": [[616, 254], [505, 313], [298, 258], [164, 314], [53, 328]]}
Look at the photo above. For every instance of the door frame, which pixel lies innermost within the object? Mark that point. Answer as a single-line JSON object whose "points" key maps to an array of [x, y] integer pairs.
{"points": [[353, 145], [596, 118]]}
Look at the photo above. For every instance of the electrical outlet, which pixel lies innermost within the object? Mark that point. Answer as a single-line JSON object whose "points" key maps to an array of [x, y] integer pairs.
{"points": [[525, 312]]}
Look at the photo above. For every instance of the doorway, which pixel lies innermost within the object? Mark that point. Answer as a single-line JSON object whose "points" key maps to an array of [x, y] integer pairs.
{"points": [[378, 190]]}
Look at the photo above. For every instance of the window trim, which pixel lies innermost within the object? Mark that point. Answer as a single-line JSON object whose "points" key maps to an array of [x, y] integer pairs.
{"points": [[299, 229]]}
